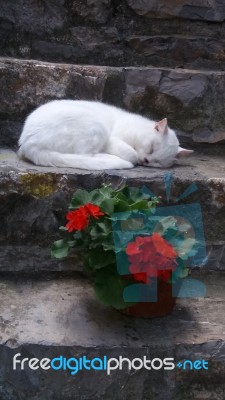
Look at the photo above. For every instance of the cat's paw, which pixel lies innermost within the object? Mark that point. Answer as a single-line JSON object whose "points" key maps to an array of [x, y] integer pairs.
{"points": [[123, 150], [120, 164], [131, 156], [127, 164]]}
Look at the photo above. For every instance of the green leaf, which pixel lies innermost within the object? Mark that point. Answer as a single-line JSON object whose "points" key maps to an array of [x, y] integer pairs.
{"points": [[80, 197], [77, 235], [108, 246], [109, 287], [108, 243], [94, 232], [71, 243], [100, 231], [134, 193], [185, 248], [122, 206], [183, 273], [60, 249], [173, 236], [181, 270], [107, 206], [121, 196], [63, 229], [96, 197], [121, 189], [139, 205], [152, 204], [105, 227], [106, 191], [179, 273], [98, 258], [184, 227], [123, 238]]}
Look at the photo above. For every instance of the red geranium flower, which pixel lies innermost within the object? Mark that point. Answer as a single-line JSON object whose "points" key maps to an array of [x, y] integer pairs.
{"points": [[94, 210], [132, 249], [79, 219], [151, 255], [163, 247]]}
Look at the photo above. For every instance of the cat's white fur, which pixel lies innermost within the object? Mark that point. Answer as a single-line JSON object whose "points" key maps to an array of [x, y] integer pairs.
{"points": [[92, 135]]}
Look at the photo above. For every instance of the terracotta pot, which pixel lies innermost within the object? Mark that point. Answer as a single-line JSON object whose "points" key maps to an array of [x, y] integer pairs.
{"points": [[163, 306]]}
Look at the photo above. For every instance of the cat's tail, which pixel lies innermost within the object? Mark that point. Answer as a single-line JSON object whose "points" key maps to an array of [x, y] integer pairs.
{"points": [[98, 161]]}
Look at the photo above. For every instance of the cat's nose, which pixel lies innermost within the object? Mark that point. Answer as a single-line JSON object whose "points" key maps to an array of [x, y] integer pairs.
{"points": [[145, 161]]}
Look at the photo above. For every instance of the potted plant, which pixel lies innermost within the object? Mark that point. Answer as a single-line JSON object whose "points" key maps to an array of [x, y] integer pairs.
{"points": [[125, 246]]}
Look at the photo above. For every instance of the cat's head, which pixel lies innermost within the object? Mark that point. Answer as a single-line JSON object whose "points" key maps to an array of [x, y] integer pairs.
{"points": [[162, 149]]}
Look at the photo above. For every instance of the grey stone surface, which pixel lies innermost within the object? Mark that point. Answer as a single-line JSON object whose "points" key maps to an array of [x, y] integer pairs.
{"points": [[179, 50], [34, 202], [100, 45], [65, 312], [9, 130], [62, 317], [97, 11], [97, 32], [191, 100], [36, 259], [28, 84], [184, 96], [36, 16], [197, 10]]}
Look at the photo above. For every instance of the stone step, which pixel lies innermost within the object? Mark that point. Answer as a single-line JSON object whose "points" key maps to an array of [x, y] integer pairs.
{"points": [[34, 202], [183, 51], [98, 32], [193, 101], [61, 317]]}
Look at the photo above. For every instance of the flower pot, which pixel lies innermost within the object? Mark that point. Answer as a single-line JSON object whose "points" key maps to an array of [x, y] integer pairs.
{"points": [[163, 306]]}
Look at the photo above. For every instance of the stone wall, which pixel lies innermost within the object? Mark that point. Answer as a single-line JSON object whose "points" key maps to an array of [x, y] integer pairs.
{"points": [[193, 101], [136, 40], [173, 33]]}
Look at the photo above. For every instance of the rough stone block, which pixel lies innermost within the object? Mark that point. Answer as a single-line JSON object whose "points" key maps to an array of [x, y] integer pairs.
{"points": [[191, 100], [195, 10], [184, 97], [195, 52], [93, 10], [36, 16]]}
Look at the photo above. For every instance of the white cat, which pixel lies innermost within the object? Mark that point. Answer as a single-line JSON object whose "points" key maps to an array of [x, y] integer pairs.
{"points": [[96, 136]]}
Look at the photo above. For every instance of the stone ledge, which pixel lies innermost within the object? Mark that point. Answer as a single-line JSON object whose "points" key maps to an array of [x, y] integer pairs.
{"points": [[34, 202], [62, 317], [78, 319], [192, 100], [34, 259]]}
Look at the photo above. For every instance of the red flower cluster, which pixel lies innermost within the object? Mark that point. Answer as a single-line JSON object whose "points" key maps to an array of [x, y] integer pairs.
{"points": [[79, 219], [151, 256]]}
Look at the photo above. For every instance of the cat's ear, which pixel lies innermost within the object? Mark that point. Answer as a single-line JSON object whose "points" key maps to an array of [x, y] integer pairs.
{"points": [[162, 126], [183, 152]]}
